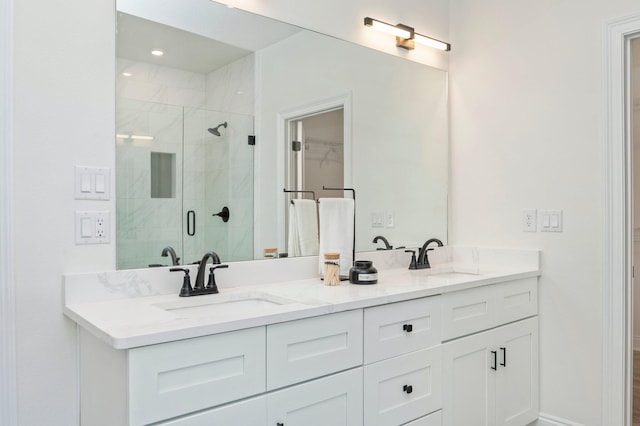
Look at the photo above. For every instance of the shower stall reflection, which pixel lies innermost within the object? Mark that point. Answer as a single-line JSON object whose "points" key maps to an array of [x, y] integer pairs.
{"points": [[194, 170]]}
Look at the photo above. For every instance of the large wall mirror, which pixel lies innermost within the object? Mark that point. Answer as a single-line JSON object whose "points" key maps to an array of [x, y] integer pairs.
{"points": [[204, 133]]}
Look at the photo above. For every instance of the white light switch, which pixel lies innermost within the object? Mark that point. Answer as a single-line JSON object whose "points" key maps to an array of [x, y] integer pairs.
{"points": [[92, 183], [86, 227], [100, 183], [551, 220], [85, 185]]}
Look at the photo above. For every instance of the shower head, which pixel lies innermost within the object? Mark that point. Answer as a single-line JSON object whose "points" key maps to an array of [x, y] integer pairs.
{"points": [[215, 131]]}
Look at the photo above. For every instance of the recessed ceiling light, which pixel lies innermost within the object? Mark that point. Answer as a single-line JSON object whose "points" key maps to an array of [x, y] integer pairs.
{"points": [[127, 74], [157, 52]]}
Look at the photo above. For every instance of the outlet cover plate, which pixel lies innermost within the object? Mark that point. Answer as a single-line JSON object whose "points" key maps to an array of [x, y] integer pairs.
{"points": [[92, 227]]}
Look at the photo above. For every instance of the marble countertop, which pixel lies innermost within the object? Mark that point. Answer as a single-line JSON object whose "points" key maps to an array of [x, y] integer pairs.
{"points": [[125, 323]]}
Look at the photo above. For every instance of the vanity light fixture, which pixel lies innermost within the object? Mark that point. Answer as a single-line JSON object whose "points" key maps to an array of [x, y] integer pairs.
{"points": [[126, 74], [406, 35], [157, 52]]}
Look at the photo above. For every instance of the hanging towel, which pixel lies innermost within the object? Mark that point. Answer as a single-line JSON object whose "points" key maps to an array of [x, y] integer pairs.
{"points": [[336, 231], [303, 228]]}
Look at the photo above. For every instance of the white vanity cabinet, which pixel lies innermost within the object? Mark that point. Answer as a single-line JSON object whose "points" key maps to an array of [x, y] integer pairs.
{"points": [[491, 377], [403, 362]]}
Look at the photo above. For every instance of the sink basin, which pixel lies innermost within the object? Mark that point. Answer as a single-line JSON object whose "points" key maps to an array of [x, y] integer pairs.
{"points": [[226, 305]]}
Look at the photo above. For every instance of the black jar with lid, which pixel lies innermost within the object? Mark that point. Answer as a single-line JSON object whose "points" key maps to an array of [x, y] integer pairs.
{"points": [[363, 272]]}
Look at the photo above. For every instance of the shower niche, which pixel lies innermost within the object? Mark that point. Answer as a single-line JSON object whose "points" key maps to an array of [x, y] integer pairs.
{"points": [[177, 168]]}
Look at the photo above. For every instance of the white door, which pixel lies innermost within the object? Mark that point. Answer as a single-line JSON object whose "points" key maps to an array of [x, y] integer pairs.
{"points": [[517, 375], [469, 381]]}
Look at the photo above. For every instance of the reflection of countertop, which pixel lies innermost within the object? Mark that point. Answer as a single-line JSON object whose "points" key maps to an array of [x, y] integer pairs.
{"points": [[142, 318]]}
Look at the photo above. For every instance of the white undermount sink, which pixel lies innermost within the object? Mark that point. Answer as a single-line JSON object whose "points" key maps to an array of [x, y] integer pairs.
{"points": [[226, 305]]}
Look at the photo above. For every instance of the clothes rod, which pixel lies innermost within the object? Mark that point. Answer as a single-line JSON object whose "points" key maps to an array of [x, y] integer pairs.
{"points": [[313, 194]]}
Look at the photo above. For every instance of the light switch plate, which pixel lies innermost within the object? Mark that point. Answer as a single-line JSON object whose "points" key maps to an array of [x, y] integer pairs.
{"points": [[390, 219], [92, 183], [92, 227], [377, 219], [551, 221]]}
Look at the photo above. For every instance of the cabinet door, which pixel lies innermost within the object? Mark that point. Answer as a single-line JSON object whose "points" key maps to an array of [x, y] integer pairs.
{"points": [[517, 375], [333, 400], [400, 389], [468, 381], [252, 412]]}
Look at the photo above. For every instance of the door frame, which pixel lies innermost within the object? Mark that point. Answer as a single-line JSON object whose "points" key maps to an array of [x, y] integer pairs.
{"points": [[617, 235], [343, 101], [8, 386]]}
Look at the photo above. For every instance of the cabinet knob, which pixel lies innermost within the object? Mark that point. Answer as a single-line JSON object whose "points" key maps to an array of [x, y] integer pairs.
{"points": [[407, 327], [407, 388]]}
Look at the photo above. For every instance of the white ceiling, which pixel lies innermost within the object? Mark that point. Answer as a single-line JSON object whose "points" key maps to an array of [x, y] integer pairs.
{"points": [[137, 37], [200, 38]]}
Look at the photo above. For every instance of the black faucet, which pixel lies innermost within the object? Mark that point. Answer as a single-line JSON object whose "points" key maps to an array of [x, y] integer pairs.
{"points": [[215, 259], [168, 250], [199, 288], [423, 256], [387, 246]]}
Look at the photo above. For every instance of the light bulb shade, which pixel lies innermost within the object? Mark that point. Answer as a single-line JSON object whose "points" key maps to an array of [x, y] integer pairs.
{"points": [[398, 31], [432, 42]]}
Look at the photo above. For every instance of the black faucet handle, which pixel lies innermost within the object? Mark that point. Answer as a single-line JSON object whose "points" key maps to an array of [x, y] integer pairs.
{"points": [[186, 289], [414, 263], [211, 283]]}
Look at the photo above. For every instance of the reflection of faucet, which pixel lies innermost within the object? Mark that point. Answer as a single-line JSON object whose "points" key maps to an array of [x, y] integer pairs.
{"points": [[423, 256], [387, 246], [168, 250], [215, 259]]}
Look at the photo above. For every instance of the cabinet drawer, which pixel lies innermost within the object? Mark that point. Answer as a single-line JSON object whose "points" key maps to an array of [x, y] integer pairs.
{"points": [[469, 311], [313, 347], [175, 378], [334, 400], [400, 328], [403, 388], [433, 419], [251, 412]]}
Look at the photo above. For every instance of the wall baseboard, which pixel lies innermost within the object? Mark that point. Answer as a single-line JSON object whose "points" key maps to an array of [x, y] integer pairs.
{"points": [[549, 420]]}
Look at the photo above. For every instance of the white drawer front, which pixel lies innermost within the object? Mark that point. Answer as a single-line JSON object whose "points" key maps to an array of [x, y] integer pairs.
{"points": [[252, 412], [400, 328], [401, 389], [433, 419], [176, 378], [517, 300], [466, 312], [334, 400], [469, 311], [313, 347]]}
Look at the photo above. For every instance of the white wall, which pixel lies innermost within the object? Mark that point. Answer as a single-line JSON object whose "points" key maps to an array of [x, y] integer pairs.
{"points": [[527, 131], [65, 116]]}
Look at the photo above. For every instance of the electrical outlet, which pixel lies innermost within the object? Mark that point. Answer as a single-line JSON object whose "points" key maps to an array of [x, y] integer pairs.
{"points": [[92, 227], [529, 220]]}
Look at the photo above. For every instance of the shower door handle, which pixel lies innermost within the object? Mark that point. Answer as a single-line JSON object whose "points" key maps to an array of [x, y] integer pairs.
{"points": [[191, 223]]}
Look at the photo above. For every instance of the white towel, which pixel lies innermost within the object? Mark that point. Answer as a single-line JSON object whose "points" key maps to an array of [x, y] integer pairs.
{"points": [[303, 228], [336, 231]]}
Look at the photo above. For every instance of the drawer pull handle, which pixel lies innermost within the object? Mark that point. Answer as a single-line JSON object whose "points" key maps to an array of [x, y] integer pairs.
{"points": [[504, 357], [407, 388], [408, 328], [495, 360]]}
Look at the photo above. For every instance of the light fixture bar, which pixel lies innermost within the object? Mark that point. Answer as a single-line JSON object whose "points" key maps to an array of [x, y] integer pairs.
{"points": [[432, 42], [398, 31], [405, 35]]}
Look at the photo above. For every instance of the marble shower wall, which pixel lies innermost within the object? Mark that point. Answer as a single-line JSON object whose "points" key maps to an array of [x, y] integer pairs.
{"points": [[211, 171]]}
